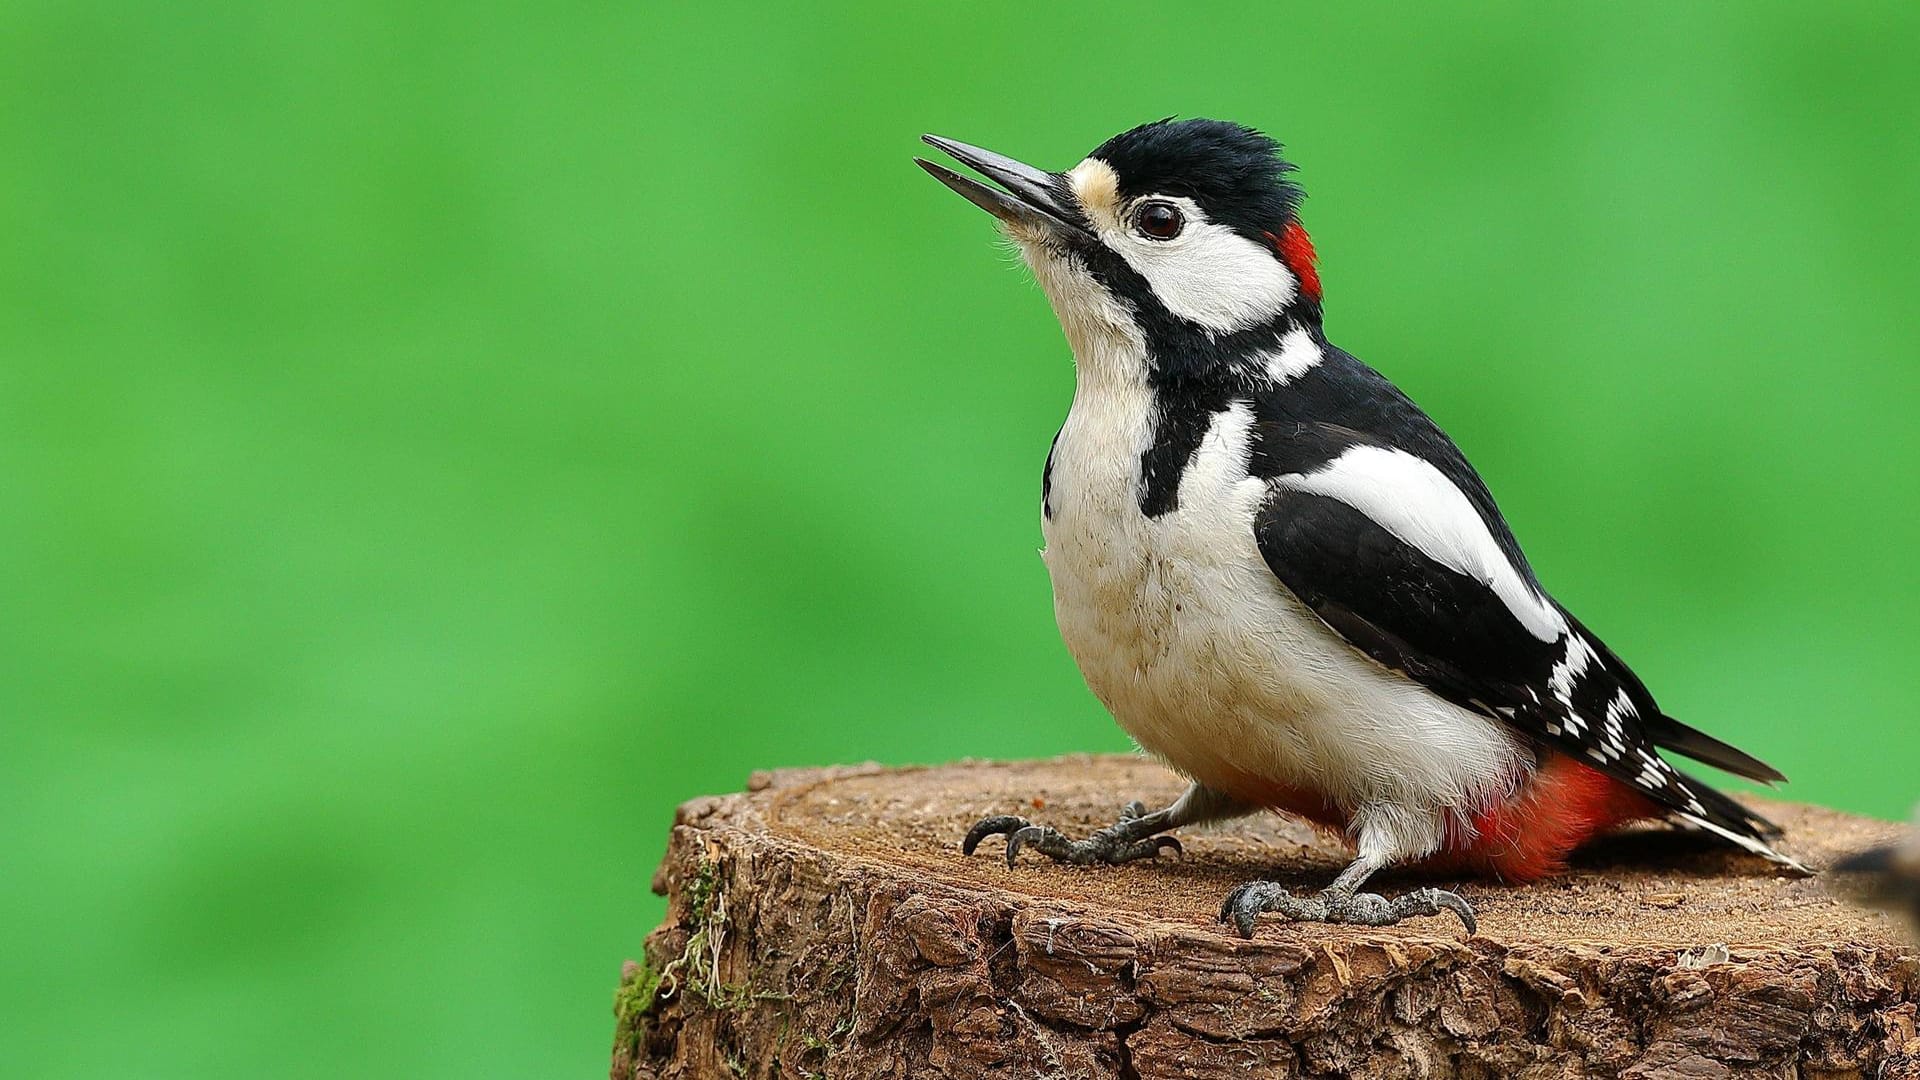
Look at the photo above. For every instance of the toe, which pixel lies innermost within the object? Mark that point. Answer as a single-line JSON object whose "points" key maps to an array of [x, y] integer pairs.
{"points": [[1245, 903], [1233, 900], [985, 827], [1140, 849], [1021, 837], [1243, 916], [1363, 909], [1443, 899]]}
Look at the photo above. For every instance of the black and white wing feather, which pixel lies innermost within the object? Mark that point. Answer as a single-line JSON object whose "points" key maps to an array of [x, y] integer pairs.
{"points": [[1376, 522]]}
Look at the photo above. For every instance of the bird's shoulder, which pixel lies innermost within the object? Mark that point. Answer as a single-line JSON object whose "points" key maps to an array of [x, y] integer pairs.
{"points": [[1341, 408], [1374, 519]]}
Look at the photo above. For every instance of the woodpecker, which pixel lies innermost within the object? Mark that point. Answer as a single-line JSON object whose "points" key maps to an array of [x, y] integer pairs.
{"points": [[1281, 577]]}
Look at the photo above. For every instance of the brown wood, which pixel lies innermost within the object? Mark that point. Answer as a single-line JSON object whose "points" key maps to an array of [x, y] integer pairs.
{"points": [[825, 924]]}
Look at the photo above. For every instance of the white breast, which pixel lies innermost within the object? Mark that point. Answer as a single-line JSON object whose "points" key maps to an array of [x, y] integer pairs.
{"points": [[1207, 660]]}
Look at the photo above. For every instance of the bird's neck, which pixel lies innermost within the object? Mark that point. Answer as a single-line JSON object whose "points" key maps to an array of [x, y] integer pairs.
{"points": [[1134, 354], [1108, 358]]}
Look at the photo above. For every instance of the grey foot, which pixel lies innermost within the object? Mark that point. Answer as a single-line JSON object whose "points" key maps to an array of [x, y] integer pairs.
{"points": [[1359, 909], [1124, 841]]}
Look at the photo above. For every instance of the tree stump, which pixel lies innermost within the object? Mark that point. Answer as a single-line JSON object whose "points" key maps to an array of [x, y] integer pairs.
{"points": [[825, 924]]}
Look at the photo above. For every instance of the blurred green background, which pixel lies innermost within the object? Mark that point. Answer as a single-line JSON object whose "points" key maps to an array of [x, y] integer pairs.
{"points": [[437, 439]]}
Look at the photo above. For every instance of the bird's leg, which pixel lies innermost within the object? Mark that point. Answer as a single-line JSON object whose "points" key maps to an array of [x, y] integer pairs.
{"points": [[1137, 835], [1341, 902]]}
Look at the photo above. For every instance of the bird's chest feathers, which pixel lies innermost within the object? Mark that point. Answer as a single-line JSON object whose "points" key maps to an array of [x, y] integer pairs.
{"points": [[1180, 628], [1145, 553]]}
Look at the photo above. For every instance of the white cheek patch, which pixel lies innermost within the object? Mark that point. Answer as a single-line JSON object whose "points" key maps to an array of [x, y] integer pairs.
{"points": [[1209, 275]]}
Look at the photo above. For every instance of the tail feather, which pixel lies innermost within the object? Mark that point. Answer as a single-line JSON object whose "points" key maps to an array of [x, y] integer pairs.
{"points": [[1723, 808], [1667, 732], [1736, 824]]}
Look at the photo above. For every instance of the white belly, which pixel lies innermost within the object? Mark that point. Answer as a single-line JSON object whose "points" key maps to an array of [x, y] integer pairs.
{"points": [[1212, 665]]}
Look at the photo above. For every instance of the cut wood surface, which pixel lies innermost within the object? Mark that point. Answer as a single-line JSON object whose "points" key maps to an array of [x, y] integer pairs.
{"points": [[825, 924]]}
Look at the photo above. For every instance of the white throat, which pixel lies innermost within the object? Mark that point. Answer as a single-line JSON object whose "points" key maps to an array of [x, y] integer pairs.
{"points": [[1107, 344]]}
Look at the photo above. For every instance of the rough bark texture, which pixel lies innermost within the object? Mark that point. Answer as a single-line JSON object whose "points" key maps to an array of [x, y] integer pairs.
{"points": [[824, 924]]}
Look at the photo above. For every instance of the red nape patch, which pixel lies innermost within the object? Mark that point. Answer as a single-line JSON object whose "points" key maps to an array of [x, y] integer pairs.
{"points": [[1296, 250], [1530, 835]]}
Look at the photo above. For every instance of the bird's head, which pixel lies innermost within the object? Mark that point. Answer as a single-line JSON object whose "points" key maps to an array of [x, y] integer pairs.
{"points": [[1184, 232]]}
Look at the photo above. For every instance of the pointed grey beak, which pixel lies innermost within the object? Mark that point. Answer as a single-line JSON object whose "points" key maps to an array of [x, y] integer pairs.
{"points": [[1032, 197]]}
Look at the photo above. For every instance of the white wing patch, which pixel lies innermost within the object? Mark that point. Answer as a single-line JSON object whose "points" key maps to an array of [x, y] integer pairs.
{"points": [[1414, 501]]}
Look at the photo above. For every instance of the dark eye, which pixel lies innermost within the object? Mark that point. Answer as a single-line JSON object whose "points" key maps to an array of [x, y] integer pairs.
{"points": [[1158, 220]]}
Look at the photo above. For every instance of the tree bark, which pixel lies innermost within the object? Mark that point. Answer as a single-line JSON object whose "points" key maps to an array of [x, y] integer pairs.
{"points": [[825, 924]]}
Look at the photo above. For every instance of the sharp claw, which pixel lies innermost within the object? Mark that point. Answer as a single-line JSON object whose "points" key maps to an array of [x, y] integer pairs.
{"points": [[1111, 845], [1241, 908], [985, 827], [1134, 809], [1020, 838], [1243, 921], [1459, 907], [1244, 904], [1226, 906]]}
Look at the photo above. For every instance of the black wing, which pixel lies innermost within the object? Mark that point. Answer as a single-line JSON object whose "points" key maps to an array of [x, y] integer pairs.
{"points": [[1448, 629]]}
